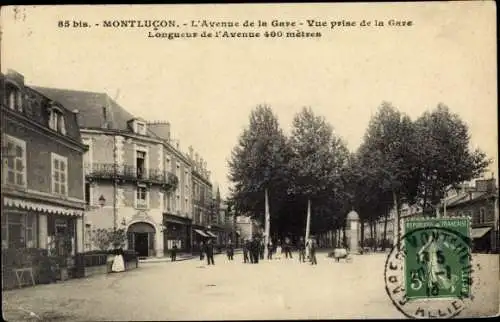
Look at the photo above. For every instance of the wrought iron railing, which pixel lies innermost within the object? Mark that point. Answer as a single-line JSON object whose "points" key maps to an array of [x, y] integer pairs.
{"points": [[110, 171]]}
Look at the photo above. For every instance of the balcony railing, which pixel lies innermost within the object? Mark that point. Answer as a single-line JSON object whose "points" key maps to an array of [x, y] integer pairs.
{"points": [[124, 173]]}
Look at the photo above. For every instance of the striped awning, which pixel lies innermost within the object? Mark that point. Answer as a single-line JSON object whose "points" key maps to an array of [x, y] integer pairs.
{"points": [[211, 234], [200, 232], [42, 207]]}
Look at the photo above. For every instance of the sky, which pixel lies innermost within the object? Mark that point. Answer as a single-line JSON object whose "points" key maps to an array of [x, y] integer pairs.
{"points": [[207, 87]]}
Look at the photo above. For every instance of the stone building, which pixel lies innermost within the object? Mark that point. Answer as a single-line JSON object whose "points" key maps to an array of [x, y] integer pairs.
{"points": [[480, 203], [136, 177], [42, 171]]}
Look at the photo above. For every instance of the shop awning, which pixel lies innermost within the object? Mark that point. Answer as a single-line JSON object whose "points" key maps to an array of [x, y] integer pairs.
{"points": [[37, 206], [200, 232], [479, 232], [211, 234]]}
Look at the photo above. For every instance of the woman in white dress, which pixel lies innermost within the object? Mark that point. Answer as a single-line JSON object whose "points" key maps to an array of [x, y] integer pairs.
{"points": [[278, 250], [118, 262]]}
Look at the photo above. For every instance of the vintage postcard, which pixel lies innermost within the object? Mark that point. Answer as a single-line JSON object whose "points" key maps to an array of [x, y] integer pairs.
{"points": [[249, 161]]}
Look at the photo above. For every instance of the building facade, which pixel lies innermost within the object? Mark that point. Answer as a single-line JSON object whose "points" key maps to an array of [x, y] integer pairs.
{"points": [[480, 203], [202, 201], [42, 172], [134, 177]]}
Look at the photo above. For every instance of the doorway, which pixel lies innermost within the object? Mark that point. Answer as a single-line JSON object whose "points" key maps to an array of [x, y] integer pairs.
{"points": [[142, 244]]}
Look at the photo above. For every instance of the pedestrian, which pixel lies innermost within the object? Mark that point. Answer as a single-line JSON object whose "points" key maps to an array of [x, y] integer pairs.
{"points": [[279, 250], [255, 250], [312, 253], [245, 252], [173, 253], [230, 251], [270, 250], [302, 250], [288, 251], [209, 251], [201, 245], [262, 247]]}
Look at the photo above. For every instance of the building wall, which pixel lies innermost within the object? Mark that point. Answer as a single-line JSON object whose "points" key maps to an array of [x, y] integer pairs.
{"points": [[39, 163], [474, 210]]}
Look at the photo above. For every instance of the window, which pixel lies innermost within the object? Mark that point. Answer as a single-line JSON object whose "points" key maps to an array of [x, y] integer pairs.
{"points": [[141, 197], [14, 97], [177, 203], [59, 174], [141, 162], [56, 120], [482, 215], [141, 128], [15, 164], [19, 230]]}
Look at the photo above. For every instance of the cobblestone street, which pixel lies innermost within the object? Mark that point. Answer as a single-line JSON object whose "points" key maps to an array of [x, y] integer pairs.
{"points": [[190, 290]]}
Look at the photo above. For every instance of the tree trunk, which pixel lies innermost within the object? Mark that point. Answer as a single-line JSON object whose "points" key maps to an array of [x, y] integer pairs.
{"points": [[362, 232], [385, 229], [375, 228], [308, 223], [398, 221], [267, 224]]}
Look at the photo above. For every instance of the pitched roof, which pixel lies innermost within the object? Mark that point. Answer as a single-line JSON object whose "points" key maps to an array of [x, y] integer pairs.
{"points": [[90, 106]]}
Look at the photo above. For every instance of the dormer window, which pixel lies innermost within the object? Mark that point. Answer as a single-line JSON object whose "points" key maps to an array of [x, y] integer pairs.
{"points": [[56, 119], [14, 97], [141, 128]]}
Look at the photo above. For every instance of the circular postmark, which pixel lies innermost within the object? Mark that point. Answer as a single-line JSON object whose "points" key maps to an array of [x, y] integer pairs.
{"points": [[430, 274]]}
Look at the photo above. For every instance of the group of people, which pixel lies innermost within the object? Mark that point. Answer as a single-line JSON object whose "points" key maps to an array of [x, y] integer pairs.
{"points": [[254, 249], [207, 249]]}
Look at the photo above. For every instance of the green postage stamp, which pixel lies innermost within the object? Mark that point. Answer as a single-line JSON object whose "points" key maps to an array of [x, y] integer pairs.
{"points": [[437, 261]]}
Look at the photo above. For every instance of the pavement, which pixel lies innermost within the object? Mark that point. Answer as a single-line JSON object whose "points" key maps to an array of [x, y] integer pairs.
{"points": [[231, 290]]}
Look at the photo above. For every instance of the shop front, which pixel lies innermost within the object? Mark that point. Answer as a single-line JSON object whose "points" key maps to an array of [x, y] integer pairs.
{"points": [[34, 234], [141, 237], [199, 237], [177, 231]]}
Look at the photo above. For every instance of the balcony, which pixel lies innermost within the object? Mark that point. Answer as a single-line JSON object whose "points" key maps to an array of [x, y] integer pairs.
{"points": [[127, 173]]}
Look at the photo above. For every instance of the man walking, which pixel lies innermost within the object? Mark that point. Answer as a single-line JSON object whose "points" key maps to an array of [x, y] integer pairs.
{"points": [[201, 245], [262, 247], [255, 250], [209, 251], [288, 251], [230, 251], [270, 250], [313, 252], [302, 250], [245, 252], [173, 253]]}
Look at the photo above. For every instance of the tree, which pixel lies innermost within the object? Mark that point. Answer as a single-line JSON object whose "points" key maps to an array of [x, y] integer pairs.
{"points": [[389, 155], [444, 156], [258, 163], [316, 165]]}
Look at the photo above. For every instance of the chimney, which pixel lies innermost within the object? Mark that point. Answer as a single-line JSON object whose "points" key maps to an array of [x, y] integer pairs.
{"points": [[104, 117], [190, 152], [201, 164], [196, 160]]}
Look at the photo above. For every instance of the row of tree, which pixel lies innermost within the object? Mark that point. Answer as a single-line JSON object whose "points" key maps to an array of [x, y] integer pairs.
{"points": [[399, 161]]}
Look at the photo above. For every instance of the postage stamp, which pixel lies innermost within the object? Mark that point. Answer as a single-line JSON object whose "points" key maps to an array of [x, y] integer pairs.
{"points": [[430, 275]]}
